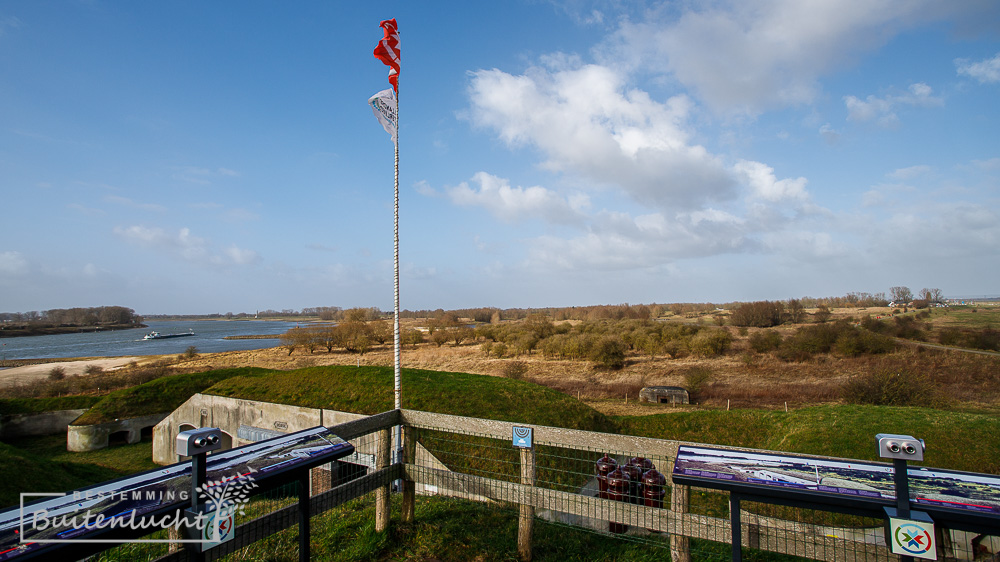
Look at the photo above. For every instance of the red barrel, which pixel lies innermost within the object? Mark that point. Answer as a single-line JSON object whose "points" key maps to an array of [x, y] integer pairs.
{"points": [[618, 490], [653, 490], [635, 483], [642, 462], [604, 466]]}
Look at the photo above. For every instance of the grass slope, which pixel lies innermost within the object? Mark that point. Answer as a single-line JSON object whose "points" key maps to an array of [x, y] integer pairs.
{"points": [[36, 405], [955, 440], [159, 395], [368, 390], [42, 464]]}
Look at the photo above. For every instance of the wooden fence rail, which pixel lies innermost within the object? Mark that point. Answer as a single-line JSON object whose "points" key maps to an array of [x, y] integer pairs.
{"points": [[764, 533]]}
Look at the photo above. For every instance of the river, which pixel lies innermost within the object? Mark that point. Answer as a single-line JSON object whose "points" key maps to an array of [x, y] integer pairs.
{"points": [[208, 338]]}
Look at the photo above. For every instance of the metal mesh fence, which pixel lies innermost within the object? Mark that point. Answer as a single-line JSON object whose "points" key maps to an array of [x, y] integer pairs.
{"points": [[574, 479], [568, 486]]}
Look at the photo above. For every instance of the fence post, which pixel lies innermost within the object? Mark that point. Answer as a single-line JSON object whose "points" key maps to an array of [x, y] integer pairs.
{"points": [[526, 519], [383, 446], [409, 486], [680, 546]]}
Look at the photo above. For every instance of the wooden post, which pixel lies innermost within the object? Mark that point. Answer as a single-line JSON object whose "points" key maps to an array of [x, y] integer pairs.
{"points": [[526, 519], [383, 445], [409, 486], [680, 546]]}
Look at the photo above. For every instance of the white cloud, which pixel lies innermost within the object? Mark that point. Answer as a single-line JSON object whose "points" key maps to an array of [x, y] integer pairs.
{"points": [[883, 110], [829, 134], [239, 256], [747, 56], [910, 172], [185, 245], [761, 179], [516, 203], [941, 230], [989, 164], [12, 263], [589, 126], [986, 71]]}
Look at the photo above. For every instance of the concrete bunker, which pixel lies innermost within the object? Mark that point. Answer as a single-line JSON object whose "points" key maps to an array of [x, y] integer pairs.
{"points": [[665, 395]]}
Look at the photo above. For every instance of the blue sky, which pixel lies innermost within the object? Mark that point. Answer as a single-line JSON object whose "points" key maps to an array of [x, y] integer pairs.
{"points": [[199, 157]]}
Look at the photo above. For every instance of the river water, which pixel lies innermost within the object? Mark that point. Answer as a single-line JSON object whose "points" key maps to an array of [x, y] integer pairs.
{"points": [[208, 338]]}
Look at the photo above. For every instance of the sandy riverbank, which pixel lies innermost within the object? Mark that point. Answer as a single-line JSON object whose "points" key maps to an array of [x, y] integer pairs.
{"points": [[31, 373]]}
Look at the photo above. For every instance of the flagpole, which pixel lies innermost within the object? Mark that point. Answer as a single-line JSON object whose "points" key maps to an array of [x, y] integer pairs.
{"points": [[397, 390]]}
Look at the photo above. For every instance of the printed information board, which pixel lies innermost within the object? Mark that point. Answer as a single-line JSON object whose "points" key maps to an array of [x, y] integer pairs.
{"points": [[156, 491], [928, 486]]}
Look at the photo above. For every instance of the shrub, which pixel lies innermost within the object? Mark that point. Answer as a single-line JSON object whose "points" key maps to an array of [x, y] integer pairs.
{"points": [[57, 374], [696, 378], [412, 337], [93, 370], [907, 327], [760, 314], [609, 353], [676, 349], [764, 341], [858, 341], [191, 352], [888, 388], [987, 338], [709, 343], [499, 349], [822, 313], [873, 325], [514, 369]]}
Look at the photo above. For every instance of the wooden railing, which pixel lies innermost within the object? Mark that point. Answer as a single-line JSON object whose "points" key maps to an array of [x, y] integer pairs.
{"points": [[520, 486]]}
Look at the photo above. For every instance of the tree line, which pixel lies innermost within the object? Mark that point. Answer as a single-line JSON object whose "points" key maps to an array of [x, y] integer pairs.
{"points": [[92, 316]]}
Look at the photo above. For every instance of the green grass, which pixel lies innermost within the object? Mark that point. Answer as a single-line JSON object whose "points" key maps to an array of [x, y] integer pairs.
{"points": [[36, 405], [955, 440], [42, 464], [368, 390], [160, 395], [964, 317], [444, 529]]}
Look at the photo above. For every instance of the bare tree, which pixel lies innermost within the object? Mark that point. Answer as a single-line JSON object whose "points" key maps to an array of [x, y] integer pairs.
{"points": [[931, 295], [900, 295]]}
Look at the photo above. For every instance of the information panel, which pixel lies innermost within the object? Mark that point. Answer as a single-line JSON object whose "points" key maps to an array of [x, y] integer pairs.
{"points": [[33, 526], [930, 487]]}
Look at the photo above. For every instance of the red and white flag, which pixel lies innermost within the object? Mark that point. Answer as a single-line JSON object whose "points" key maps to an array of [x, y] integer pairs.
{"points": [[387, 51]]}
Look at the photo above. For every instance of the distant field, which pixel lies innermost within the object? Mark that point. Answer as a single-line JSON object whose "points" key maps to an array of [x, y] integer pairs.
{"points": [[966, 316]]}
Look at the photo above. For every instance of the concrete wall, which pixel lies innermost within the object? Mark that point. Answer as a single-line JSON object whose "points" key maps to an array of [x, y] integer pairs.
{"points": [[41, 423], [228, 414], [80, 438]]}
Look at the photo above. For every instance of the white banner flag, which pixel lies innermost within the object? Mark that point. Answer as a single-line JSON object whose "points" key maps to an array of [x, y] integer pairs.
{"points": [[384, 107]]}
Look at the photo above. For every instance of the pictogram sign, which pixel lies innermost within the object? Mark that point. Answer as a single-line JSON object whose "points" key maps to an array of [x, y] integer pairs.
{"points": [[522, 437]]}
